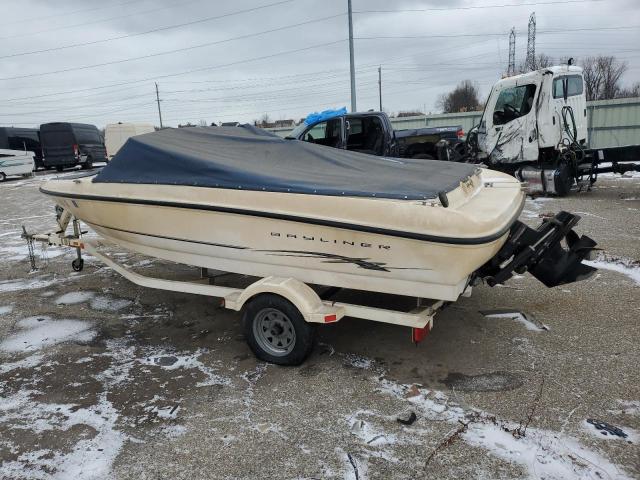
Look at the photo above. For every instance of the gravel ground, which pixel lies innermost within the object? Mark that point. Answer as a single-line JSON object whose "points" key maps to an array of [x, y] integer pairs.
{"points": [[101, 379]]}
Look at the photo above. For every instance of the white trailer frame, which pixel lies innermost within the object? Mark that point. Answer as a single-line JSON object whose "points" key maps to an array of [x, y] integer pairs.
{"points": [[304, 298]]}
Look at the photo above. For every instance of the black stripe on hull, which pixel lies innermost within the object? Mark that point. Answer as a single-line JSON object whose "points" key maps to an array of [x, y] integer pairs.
{"points": [[236, 247], [297, 219]]}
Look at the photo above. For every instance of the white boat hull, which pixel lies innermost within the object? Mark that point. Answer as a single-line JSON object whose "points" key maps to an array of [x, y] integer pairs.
{"points": [[400, 247]]}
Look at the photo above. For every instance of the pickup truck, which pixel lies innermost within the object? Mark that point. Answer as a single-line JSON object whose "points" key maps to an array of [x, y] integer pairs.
{"points": [[372, 133]]}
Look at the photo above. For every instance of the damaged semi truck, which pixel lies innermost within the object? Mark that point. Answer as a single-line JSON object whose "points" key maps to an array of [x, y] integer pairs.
{"points": [[534, 126]]}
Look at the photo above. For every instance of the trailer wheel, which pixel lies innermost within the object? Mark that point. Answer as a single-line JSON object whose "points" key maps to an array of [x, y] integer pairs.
{"points": [[3, 177], [77, 265], [276, 331]]}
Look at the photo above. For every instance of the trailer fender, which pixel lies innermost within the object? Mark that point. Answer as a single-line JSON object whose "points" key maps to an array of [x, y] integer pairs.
{"points": [[298, 293]]}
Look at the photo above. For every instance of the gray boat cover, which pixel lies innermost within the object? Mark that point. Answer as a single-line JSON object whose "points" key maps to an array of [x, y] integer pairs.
{"points": [[249, 158]]}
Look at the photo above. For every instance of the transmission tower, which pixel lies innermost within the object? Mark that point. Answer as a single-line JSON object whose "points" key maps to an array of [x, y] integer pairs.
{"points": [[511, 69], [531, 43]]}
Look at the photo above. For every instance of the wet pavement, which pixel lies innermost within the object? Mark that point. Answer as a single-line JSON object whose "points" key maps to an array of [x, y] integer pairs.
{"points": [[100, 378]]}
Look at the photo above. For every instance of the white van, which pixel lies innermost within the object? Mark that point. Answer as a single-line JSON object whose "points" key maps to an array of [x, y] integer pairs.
{"points": [[116, 134], [16, 162]]}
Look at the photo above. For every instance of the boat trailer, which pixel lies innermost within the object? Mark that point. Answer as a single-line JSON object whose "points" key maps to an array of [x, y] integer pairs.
{"points": [[292, 307], [279, 313]]}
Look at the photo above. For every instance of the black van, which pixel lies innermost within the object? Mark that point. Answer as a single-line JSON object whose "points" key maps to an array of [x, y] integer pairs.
{"points": [[22, 139], [70, 144]]}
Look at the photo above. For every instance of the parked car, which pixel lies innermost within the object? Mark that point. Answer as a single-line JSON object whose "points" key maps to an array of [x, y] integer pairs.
{"points": [[12, 138], [16, 162], [372, 133], [70, 144], [116, 134]]}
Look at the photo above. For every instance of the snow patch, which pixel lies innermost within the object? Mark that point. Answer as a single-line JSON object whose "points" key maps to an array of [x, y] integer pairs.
{"points": [[109, 304], [185, 361], [366, 432], [544, 453], [17, 285], [29, 362], [89, 458], [173, 431], [15, 253], [358, 361], [6, 309], [39, 332], [518, 317], [624, 266], [73, 298]]}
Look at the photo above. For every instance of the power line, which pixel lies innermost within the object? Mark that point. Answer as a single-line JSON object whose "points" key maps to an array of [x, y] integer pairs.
{"points": [[493, 34], [32, 19], [154, 30], [184, 72], [475, 7], [103, 20], [168, 52]]}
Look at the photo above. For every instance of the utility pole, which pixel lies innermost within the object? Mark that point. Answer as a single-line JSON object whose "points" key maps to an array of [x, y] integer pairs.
{"points": [[158, 100], [511, 69], [380, 85], [351, 63], [531, 43]]}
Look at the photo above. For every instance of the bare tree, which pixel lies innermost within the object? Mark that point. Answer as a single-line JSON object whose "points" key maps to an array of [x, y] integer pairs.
{"points": [[612, 71], [541, 60], [631, 92], [463, 98], [592, 78], [602, 76]]}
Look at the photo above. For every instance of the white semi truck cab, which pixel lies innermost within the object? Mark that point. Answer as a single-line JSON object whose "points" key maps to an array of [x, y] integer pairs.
{"points": [[534, 126]]}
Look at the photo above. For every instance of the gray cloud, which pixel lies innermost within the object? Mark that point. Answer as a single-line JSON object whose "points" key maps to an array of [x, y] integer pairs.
{"points": [[415, 71]]}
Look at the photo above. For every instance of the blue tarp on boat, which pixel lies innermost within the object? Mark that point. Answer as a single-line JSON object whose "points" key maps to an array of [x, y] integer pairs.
{"points": [[248, 158]]}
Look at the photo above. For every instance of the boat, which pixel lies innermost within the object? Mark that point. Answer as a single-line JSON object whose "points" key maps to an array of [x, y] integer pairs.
{"points": [[245, 201], [309, 221]]}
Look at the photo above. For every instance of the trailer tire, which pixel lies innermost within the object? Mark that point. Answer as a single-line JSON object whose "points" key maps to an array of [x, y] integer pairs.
{"points": [[276, 331], [3, 177]]}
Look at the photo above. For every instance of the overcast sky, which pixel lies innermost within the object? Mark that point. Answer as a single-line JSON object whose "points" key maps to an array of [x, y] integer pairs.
{"points": [[282, 58]]}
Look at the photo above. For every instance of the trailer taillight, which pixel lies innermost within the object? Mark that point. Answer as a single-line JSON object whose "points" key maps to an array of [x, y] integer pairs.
{"points": [[460, 133]]}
